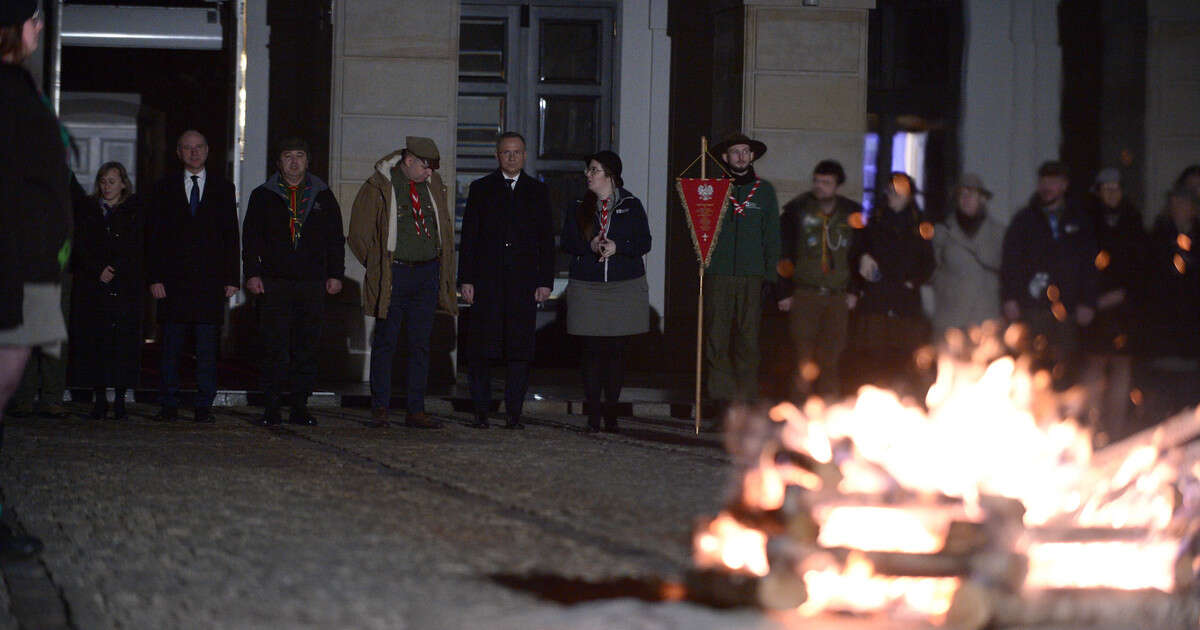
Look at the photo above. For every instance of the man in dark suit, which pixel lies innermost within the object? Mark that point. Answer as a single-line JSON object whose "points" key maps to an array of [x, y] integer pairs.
{"points": [[192, 268], [505, 269]]}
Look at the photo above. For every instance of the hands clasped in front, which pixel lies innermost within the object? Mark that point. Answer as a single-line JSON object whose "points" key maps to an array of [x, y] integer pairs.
{"points": [[603, 246]]}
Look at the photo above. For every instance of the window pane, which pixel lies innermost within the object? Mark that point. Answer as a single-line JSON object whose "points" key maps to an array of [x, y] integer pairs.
{"points": [[568, 126], [462, 186], [480, 120], [481, 48], [569, 51], [566, 187]]}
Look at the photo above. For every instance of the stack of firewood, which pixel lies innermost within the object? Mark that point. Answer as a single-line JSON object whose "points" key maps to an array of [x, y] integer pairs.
{"points": [[984, 553]]}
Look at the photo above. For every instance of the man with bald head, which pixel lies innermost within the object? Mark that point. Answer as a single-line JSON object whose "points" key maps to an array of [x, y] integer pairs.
{"points": [[193, 268]]}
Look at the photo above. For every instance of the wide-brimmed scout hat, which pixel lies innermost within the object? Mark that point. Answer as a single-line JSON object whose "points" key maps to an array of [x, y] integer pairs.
{"points": [[734, 139], [425, 149], [973, 180]]}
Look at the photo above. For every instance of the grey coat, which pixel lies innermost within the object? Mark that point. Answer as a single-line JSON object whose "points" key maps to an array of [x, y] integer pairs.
{"points": [[966, 284]]}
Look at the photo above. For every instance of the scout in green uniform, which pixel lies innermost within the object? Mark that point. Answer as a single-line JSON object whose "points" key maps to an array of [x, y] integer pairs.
{"points": [[746, 253], [818, 228]]}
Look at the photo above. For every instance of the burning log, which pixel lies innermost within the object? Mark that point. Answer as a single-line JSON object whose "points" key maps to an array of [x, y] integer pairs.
{"points": [[778, 590], [976, 606], [1175, 431]]}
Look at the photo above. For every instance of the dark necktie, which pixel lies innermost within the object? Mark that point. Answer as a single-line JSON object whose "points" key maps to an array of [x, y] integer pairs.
{"points": [[512, 183], [194, 198]]}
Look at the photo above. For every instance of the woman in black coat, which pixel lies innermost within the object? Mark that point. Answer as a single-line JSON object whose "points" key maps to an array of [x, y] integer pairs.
{"points": [[891, 260], [35, 203], [106, 332], [1174, 276]]}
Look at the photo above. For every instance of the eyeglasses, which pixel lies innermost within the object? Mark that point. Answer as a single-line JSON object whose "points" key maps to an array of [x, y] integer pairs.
{"points": [[593, 171]]}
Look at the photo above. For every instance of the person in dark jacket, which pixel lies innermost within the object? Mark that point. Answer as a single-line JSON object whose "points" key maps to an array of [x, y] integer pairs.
{"points": [[192, 268], [1174, 275], [505, 269], [109, 284], [1114, 333], [891, 260], [35, 218], [608, 300], [292, 254], [1048, 277]]}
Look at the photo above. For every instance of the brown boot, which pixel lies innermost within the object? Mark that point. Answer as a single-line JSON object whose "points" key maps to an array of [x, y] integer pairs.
{"points": [[418, 420], [379, 418]]}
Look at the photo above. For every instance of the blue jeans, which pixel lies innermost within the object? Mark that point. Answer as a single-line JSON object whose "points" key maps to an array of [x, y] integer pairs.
{"points": [[414, 298], [206, 363]]}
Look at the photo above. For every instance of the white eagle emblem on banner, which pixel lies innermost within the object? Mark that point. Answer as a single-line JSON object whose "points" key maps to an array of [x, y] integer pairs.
{"points": [[705, 191]]}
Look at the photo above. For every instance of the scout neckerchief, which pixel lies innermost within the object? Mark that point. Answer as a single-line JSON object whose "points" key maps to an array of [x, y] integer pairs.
{"points": [[418, 216], [740, 208], [605, 218], [299, 201]]}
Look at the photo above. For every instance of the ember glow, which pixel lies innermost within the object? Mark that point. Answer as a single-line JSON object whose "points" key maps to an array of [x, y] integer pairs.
{"points": [[996, 453]]}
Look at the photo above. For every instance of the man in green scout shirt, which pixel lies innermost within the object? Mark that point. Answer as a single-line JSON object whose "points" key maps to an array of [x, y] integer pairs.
{"points": [[402, 231], [745, 257], [818, 229]]}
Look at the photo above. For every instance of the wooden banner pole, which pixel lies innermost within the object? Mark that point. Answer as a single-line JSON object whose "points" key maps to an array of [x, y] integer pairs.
{"points": [[700, 297]]}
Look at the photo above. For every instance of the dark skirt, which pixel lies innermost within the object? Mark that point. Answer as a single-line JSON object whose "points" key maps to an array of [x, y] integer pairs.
{"points": [[608, 309]]}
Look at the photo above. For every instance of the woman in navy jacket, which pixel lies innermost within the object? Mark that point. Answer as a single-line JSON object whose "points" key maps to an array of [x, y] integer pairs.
{"points": [[607, 235]]}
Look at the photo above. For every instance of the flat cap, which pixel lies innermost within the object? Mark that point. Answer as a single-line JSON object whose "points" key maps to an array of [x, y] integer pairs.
{"points": [[423, 148], [973, 180]]}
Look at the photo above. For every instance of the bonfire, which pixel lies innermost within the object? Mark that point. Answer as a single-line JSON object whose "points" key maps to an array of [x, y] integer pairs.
{"points": [[984, 507]]}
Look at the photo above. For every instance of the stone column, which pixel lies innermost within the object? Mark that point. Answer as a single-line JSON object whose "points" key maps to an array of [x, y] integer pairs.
{"points": [[1172, 96], [804, 88], [1012, 96], [395, 73]]}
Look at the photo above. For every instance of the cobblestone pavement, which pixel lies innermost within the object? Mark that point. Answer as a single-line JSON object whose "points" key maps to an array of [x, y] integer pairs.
{"points": [[341, 526]]}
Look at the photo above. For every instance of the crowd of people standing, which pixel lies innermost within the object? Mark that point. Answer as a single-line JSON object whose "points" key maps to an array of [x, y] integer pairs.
{"points": [[1092, 287]]}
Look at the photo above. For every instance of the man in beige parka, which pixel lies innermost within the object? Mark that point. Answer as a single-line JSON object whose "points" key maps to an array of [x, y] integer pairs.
{"points": [[402, 231]]}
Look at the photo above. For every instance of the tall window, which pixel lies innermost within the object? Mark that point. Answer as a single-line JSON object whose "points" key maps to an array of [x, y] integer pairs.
{"points": [[545, 71]]}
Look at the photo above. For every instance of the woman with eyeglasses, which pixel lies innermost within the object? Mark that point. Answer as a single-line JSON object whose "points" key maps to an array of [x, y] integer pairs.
{"points": [[106, 335], [607, 235], [35, 217]]}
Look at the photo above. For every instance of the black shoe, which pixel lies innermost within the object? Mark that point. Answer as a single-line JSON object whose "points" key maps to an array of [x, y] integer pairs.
{"points": [[14, 547], [99, 407], [379, 419], [118, 407], [481, 421], [204, 415], [269, 418], [167, 414], [418, 420], [302, 417], [514, 423], [610, 417]]}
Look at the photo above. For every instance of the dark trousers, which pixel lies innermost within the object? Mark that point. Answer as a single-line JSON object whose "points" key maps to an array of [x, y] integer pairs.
{"points": [[206, 362], [290, 317], [603, 370], [414, 298], [516, 383]]}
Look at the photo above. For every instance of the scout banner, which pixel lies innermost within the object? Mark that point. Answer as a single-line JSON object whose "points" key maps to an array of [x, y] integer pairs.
{"points": [[704, 203]]}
